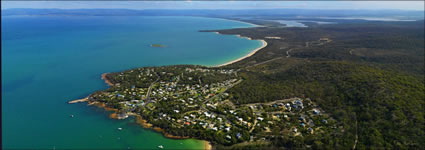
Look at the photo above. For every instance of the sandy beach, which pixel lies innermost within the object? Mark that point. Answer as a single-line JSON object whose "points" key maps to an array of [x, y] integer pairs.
{"points": [[238, 35], [246, 56]]}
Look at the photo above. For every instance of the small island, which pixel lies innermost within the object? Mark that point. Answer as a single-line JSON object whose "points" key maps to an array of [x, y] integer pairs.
{"points": [[158, 45]]}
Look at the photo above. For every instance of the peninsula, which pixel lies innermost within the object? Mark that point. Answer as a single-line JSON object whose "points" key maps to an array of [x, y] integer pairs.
{"points": [[324, 86], [193, 101]]}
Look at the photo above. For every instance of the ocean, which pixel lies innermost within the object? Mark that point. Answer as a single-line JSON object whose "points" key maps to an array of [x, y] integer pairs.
{"points": [[49, 60]]}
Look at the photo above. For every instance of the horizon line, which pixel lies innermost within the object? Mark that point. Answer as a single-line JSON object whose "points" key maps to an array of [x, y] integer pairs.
{"points": [[215, 9]]}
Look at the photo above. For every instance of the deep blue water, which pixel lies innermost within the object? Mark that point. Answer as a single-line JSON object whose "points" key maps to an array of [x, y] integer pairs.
{"points": [[49, 60]]}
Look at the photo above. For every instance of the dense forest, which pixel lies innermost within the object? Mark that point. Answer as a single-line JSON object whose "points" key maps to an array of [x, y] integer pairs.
{"points": [[386, 106], [368, 75]]}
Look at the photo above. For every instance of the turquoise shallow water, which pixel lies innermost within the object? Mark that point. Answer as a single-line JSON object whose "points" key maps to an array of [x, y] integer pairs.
{"points": [[47, 61]]}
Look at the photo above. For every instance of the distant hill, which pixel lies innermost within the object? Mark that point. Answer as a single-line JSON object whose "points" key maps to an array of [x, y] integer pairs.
{"points": [[218, 12]]}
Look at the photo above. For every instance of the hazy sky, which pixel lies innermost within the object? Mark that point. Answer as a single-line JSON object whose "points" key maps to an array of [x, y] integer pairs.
{"points": [[403, 5]]}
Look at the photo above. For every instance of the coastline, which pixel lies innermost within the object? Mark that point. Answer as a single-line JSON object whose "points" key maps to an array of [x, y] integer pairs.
{"points": [[144, 123], [247, 55], [253, 25], [103, 77], [139, 119], [232, 20]]}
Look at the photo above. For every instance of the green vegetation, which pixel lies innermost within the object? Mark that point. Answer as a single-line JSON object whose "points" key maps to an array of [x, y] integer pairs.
{"points": [[370, 77], [193, 101], [384, 108], [336, 86]]}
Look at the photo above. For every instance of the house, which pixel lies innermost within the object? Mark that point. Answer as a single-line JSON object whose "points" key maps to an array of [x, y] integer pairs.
{"points": [[119, 95], [316, 112], [207, 114], [228, 137], [311, 123], [267, 129], [311, 130], [219, 119], [301, 118], [238, 135], [287, 105], [122, 115], [324, 39], [259, 118]]}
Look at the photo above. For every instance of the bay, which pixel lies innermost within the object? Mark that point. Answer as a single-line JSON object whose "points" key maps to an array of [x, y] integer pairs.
{"points": [[49, 60]]}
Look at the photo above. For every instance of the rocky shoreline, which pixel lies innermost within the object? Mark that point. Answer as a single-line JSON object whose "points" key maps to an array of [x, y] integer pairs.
{"points": [[106, 80], [144, 123]]}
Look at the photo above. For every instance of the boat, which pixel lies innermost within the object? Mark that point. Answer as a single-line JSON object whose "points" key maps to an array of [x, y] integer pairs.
{"points": [[72, 116], [160, 146], [120, 129]]}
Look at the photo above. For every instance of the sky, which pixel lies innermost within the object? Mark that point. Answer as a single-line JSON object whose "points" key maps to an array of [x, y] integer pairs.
{"points": [[376, 5]]}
